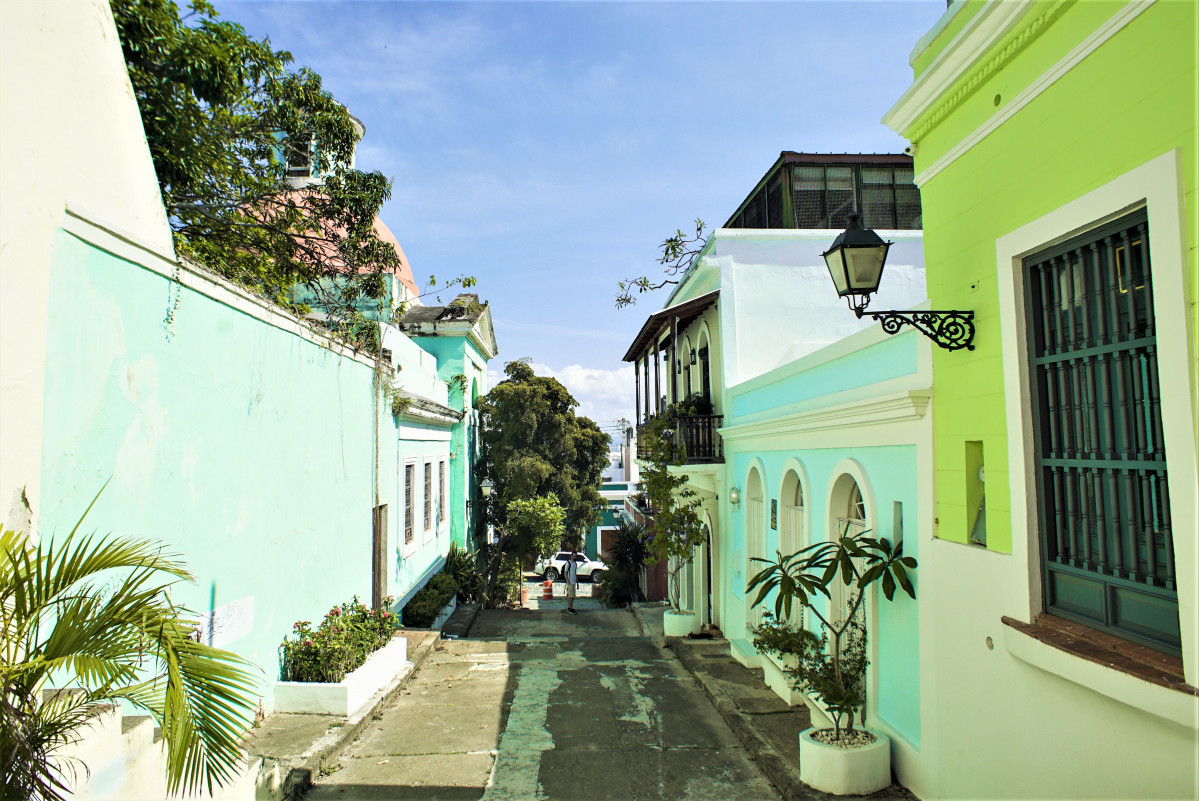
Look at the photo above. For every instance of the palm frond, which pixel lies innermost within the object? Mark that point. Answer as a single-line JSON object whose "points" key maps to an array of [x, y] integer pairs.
{"points": [[122, 640]]}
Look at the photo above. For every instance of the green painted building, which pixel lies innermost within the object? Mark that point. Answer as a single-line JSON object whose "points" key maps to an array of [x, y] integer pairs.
{"points": [[1055, 151]]}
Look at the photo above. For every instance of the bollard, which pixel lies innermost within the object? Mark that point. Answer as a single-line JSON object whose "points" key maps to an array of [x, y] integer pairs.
{"points": [[547, 591]]}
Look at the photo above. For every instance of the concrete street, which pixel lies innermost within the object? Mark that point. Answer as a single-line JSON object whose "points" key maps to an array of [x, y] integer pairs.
{"points": [[546, 705]]}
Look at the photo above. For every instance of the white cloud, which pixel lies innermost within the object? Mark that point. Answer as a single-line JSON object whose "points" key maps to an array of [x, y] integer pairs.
{"points": [[603, 395]]}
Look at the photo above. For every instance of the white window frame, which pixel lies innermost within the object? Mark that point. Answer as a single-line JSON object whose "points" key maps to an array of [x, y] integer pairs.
{"points": [[443, 517], [1156, 185], [408, 506], [428, 513]]}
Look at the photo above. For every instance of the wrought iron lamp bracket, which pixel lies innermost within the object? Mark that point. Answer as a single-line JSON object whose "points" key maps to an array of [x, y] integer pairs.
{"points": [[951, 330]]}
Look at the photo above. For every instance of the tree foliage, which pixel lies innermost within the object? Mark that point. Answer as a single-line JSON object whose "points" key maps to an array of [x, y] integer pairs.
{"points": [[678, 252], [94, 613], [222, 114], [535, 445], [678, 525], [540, 457]]}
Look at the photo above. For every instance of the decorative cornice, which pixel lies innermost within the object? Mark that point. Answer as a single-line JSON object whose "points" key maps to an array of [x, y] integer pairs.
{"points": [[988, 27], [421, 408], [1087, 46], [1017, 44], [897, 408]]}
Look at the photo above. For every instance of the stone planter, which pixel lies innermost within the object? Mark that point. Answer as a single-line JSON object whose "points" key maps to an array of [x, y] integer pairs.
{"points": [[845, 771], [345, 697], [445, 613], [680, 624]]}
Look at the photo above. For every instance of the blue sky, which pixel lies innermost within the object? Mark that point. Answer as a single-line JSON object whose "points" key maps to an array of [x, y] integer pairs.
{"points": [[546, 148]]}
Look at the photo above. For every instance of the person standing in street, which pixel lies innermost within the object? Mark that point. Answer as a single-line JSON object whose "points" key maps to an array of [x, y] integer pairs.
{"points": [[571, 574]]}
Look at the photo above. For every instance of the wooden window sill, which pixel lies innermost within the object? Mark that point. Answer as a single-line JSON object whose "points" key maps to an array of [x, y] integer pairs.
{"points": [[1140, 677]]}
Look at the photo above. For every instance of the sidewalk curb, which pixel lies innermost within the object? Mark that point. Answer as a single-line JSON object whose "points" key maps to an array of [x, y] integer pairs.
{"points": [[781, 773], [458, 626], [297, 771]]}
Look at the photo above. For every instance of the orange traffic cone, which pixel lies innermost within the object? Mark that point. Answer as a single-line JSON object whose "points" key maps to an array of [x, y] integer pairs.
{"points": [[547, 591]]}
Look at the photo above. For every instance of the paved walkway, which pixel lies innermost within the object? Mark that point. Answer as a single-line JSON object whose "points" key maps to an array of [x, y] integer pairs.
{"points": [[546, 705]]}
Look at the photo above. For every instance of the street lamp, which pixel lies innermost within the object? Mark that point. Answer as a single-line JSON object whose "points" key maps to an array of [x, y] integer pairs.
{"points": [[484, 490], [855, 262]]}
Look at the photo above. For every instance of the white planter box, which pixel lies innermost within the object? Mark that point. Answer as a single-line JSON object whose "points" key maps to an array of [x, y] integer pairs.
{"points": [[345, 697], [845, 771], [445, 613], [774, 671], [679, 624]]}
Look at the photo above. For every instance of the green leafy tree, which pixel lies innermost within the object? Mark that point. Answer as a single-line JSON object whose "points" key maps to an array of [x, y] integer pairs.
{"points": [[678, 524], [223, 114], [531, 526], [95, 613], [535, 446], [678, 252]]}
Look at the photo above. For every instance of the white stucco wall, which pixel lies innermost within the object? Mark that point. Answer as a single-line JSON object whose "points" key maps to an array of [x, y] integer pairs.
{"points": [[70, 136], [779, 304]]}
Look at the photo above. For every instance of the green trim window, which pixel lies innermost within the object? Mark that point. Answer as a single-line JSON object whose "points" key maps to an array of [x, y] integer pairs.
{"points": [[1103, 502]]}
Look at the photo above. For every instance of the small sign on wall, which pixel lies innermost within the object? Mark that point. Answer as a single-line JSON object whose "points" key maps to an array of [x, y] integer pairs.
{"points": [[774, 514]]}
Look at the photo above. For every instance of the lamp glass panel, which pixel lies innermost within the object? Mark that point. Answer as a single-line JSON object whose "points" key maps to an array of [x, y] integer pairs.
{"points": [[836, 268], [864, 267]]}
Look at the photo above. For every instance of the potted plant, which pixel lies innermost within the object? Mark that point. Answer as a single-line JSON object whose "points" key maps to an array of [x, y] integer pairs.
{"points": [[841, 760]]}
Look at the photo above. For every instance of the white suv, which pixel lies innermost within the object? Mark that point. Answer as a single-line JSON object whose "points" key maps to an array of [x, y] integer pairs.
{"points": [[554, 567]]}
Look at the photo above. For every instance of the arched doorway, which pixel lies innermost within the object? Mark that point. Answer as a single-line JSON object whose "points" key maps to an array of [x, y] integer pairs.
{"points": [[848, 517], [755, 539], [792, 534], [704, 367]]}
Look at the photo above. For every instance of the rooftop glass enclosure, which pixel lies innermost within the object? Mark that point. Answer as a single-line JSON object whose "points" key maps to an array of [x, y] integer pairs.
{"points": [[805, 190]]}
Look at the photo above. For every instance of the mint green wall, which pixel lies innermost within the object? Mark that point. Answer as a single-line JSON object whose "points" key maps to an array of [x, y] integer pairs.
{"points": [[246, 448], [891, 358], [457, 355], [895, 630], [892, 475]]}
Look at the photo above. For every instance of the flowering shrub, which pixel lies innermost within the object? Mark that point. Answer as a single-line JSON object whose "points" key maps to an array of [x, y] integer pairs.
{"points": [[341, 643]]}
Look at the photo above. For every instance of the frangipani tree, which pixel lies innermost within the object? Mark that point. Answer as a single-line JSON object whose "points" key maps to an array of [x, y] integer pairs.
{"points": [[833, 668]]}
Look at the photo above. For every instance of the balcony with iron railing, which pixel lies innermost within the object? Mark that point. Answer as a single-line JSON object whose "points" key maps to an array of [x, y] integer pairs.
{"points": [[695, 436]]}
